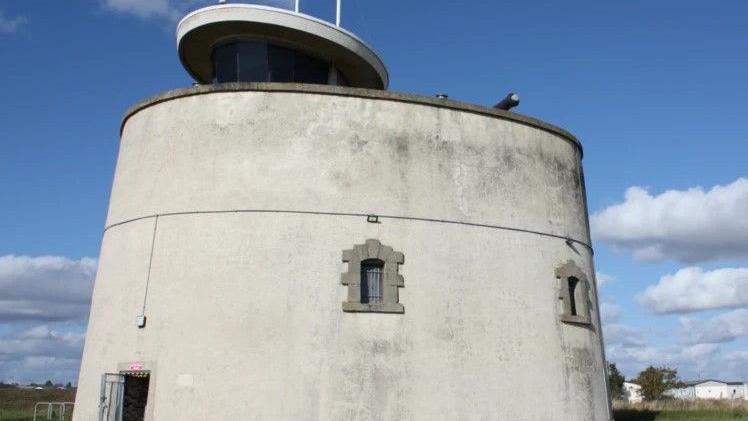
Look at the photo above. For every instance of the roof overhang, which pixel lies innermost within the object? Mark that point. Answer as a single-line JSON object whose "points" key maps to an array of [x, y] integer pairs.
{"points": [[200, 31]]}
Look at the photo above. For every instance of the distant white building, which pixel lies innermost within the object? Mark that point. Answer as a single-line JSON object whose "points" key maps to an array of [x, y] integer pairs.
{"points": [[632, 392], [711, 389]]}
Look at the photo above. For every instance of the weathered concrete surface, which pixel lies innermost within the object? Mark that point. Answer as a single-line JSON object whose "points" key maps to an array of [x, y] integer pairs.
{"points": [[244, 308], [349, 92]]}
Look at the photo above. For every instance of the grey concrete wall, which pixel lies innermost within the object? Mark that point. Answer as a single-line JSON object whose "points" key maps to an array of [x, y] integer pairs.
{"points": [[244, 308]]}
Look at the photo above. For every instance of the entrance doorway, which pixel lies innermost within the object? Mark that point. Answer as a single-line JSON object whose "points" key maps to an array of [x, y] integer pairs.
{"points": [[135, 395], [124, 396]]}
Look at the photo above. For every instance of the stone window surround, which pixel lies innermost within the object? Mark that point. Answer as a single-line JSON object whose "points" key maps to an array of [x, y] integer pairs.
{"points": [[584, 305], [373, 249]]}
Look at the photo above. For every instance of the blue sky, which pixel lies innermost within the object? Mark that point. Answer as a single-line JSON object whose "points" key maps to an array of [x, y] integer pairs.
{"points": [[656, 92]]}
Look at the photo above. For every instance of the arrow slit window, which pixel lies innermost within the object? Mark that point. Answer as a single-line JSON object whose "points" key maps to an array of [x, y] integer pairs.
{"points": [[574, 294]]}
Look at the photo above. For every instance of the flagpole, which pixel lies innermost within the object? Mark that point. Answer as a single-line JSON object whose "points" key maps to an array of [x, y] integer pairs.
{"points": [[337, 13]]}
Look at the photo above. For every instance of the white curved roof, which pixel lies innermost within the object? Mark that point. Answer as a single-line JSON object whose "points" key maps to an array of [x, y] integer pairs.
{"points": [[202, 29]]}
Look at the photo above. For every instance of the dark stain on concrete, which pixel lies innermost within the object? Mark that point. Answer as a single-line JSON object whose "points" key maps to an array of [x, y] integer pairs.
{"points": [[357, 144]]}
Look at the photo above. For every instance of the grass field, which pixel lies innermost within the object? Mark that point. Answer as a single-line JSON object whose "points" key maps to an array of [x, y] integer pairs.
{"points": [[681, 411], [18, 404]]}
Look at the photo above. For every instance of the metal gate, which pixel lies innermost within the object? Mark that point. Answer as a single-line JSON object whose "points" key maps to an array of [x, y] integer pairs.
{"points": [[111, 397], [54, 410]]}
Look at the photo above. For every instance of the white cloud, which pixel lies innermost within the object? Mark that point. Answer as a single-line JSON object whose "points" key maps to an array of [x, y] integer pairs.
{"points": [[174, 9], [144, 8], [687, 225], [603, 278], [41, 341], [692, 289], [694, 361], [40, 353], [616, 334], [724, 328], [609, 312], [10, 25], [621, 353], [698, 352], [736, 363], [45, 288]]}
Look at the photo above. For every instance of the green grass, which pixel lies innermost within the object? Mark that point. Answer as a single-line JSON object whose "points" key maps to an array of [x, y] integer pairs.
{"points": [[689, 415], [682, 411], [18, 404]]}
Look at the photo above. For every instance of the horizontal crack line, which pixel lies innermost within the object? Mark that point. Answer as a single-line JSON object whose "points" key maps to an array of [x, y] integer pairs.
{"points": [[364, 215]]}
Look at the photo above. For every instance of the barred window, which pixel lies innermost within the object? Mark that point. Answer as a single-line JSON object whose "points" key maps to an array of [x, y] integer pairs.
{"points": [[371, 281], [372, 278]]}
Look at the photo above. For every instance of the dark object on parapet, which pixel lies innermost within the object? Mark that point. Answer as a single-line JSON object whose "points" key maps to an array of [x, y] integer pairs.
{"points": [[509, 102]]}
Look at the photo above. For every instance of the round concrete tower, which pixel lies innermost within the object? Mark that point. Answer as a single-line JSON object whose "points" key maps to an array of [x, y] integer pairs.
{"points": [[288, 240]]}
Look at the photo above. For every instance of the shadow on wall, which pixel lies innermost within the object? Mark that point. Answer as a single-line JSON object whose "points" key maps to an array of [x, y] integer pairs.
{"points": [[735, 413], [634, 415]]}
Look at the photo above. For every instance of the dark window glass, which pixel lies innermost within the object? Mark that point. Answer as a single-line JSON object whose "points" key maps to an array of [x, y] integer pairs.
{"points": [[371, 281], [310, 70], [573, 295], [281, 62], [342, 80], [258, 61], [224, 63], [252, 59]]}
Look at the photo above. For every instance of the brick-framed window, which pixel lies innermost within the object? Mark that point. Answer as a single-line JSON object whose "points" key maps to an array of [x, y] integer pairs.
{"points": [[574, 293], [372, 278]]}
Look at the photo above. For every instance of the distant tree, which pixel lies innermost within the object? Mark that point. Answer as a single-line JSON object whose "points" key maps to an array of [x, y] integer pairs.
{"points": [[656, 380], [615, 381], [49, 383], [68, 385]]}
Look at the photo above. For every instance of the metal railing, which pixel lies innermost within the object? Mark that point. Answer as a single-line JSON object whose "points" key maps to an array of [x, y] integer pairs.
{"points": [[294, 5], [50, 416]]}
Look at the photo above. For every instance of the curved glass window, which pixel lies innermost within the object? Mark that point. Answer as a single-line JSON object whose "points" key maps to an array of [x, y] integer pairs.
{"points": [[259, 61]]}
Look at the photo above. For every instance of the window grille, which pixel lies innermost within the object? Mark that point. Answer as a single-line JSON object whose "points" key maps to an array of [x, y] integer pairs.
{"points": [[371, 281], [372, 278]]}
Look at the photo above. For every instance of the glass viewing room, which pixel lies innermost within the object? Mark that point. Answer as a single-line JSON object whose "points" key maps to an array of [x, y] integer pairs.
{"points": [[261, 61], [239, 42]]}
